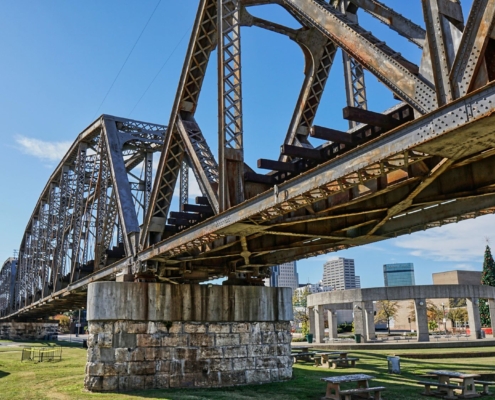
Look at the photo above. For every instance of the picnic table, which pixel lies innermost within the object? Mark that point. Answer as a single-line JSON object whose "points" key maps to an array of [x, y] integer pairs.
{"points": [[335, 392], [300, 355], [340, 359], [446, 388]]}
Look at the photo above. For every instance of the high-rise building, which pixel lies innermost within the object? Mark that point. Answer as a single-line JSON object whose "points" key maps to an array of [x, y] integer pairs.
{"points": [[398, 274], [340, 274], [284, 275]]}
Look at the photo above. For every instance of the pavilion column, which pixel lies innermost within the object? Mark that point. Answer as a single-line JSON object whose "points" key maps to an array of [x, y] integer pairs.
{"points": [[311, 311], [332, 324], [319, 324], [360, 320], [491, 304], [370, 321], [422, 320], [473, 310]]}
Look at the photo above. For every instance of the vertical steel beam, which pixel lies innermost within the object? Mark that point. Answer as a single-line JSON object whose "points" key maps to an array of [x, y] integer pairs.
{"points": [[148, 180], [230, 128], [101, 214]]}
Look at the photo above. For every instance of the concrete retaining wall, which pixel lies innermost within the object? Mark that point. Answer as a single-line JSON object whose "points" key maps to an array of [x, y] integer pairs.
{"points": [[28, 330]]}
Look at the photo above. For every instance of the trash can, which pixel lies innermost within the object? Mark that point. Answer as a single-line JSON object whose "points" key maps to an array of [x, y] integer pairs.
{"points": [[482, 334], [393, 364], [309, 338], [357, 336]]}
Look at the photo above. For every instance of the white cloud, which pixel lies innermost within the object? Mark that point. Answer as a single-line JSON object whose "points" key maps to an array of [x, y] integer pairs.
{"points": [[46, 151], [461, 242]]}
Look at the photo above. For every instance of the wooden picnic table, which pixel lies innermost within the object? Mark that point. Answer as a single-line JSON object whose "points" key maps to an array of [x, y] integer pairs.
{"points": [[334, 391], [467, 386]]}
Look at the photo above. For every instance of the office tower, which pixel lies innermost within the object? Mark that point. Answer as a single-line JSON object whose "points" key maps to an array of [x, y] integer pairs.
{"points": [[398, 274], [340, 274], [284, 275]]}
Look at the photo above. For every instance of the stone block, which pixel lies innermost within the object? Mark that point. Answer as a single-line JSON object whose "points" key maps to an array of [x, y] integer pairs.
{"points": [[162, 367], [150, 382], [174, 340], [123, 339], [241, 327], [95, 369], [194, 327], [285, 373], [147, 340], [105, 339], [110, 370], [93, 354], [199, 367], [243, 364], [107, 355], [161, 381], [187, 380], [151, 353], [221, 365], [137, 354], [187, 354], [121, 326], [136, 382], [282, 326], [163, 353], [122, 355], [269, 338], [284, 337], [219, 328], [283, 349], [152, 328], [266, 363], [235, 351], [123, 383], [176, 367], [137, 327], [233, 378], [95, 328], [211, 352], [211, 379], [201, 339], [227, 339], [92, 340], [284, 361], [110, 383], [257, 376], [141, 368], [93, 383], [267, 326], [120, 368], [176, 328], [274, 375]]}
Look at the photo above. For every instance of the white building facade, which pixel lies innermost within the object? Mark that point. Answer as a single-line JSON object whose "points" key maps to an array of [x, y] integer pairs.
{"points": [[340, 274], [284, 275]]}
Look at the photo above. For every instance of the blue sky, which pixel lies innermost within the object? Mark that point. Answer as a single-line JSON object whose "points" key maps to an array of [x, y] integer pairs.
{"points": [[59, 60]]}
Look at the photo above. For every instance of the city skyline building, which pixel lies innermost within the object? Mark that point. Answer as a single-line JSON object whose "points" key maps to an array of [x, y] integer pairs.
{"points": [[399, 274], [340, 274], [284, 275]]}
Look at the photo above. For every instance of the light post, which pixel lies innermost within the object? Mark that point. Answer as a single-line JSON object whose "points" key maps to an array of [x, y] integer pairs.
{"points": [[444, 320], [70, 325], [409, 320], [78, 323]]}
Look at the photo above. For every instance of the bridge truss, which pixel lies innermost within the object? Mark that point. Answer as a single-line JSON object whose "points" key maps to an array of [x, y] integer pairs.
{"points": [[423, 163]]}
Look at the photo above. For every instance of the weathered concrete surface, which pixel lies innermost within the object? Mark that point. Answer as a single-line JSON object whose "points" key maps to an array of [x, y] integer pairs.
{"points": [[148, 335], [162, 302], [28, 330]]}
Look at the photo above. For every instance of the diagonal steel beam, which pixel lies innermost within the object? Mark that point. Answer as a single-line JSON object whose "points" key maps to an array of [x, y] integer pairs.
{"points": [[393, 70], [403, 26], [470, 56]]}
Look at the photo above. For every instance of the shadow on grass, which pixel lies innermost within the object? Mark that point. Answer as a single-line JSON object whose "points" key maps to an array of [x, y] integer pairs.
{"points": [[4, 374]]}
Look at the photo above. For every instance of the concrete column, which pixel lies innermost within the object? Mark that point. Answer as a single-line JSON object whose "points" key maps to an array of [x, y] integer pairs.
{"points": [[491, 304], [473, 310], [360, 320], [312, 322], [332, 324], [370, 320], [319, 324], [159, 336], [421, 320]]}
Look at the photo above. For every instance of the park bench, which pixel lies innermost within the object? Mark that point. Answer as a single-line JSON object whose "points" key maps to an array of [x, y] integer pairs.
{"points": [[305, 356], [397, 338], [447, 386], [485, 386], [342, 362], [375, 390]]}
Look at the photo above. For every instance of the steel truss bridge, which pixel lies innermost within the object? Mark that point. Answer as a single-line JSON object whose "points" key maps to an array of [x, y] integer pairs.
{"points": [[428, 161]]}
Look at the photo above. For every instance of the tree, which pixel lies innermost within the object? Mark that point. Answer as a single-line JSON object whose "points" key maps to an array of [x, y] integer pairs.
{"points": [[434, 313], [487, 278], [299, 306], [63, 322], [387, 310], [457, 315]]}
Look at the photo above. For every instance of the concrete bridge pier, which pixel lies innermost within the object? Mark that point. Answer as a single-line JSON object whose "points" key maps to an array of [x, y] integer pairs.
{"points": [[332, 324], [153, 335], [319, 318]]}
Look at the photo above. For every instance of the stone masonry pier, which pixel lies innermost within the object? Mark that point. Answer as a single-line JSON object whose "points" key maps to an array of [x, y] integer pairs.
{"points": [[150, 335]]}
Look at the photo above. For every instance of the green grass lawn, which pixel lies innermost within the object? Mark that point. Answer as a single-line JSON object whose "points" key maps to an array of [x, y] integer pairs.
{"points": [[64, 379]]}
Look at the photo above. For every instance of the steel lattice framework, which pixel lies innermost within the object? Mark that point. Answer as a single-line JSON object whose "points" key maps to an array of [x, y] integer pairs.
{"points": [[425, 162]]}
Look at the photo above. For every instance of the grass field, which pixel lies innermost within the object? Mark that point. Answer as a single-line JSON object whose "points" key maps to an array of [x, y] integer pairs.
{"points": [[64, 380]]}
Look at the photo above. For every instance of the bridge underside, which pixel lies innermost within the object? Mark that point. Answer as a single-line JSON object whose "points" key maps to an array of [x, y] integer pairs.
{"points": [[427, 161]]}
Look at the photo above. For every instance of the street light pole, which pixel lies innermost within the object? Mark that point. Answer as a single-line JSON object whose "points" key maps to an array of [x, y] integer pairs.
{"points": [[444, 321], [78, 323]]}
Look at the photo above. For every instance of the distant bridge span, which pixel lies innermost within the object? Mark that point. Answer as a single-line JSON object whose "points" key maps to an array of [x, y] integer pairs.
{"points": [[426, 162]]}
